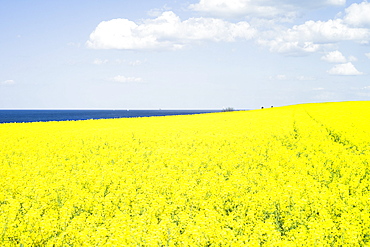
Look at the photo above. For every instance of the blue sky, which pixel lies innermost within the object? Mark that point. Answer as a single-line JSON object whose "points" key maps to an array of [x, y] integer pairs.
{"points": [[168, 54]]}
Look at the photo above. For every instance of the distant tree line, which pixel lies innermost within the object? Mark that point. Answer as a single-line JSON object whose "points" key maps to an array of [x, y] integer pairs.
{"points": [[227, 109]]}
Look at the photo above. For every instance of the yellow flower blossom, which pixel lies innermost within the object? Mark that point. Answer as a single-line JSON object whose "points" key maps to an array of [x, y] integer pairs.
{"points": [[287, 176]]}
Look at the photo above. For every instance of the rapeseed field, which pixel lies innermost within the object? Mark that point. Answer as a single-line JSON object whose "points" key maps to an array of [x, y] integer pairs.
{"points": [[286, 176]]}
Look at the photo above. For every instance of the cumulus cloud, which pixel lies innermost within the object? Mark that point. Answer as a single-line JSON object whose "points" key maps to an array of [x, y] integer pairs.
{"points": [[259, 8], [358, 15], [7, 82], [313, 36], [344, 69], [334, 57], [120, 78], [165, 32]]}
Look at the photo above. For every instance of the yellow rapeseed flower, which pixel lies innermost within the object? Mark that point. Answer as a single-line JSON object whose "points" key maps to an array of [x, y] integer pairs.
{"points": [[287, 176]]}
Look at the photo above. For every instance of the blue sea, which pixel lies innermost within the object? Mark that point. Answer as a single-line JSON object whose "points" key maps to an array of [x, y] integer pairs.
{"points": [[20, 116]]}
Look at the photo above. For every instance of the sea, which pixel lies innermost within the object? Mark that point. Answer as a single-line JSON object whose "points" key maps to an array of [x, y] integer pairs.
{"points": [[24, 116]]}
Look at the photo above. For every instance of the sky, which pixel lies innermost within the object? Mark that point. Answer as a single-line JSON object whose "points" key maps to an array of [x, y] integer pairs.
{"points": [[169, 54]]}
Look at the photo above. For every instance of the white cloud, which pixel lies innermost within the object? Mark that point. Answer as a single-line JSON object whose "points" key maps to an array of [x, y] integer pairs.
{"points": [[344, 69], [230, 8], [168, 32], [335, 2], [158, 11], [259, 8], [334, 57], [292, 48], [120, 78], [358, 15], [98, 61], [367, 55], [326, 32], [165, 32], [7, 82], [312, 36]]}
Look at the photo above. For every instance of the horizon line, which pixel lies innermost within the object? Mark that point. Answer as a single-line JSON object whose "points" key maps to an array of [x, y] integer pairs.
{"points": [[122, 109]]}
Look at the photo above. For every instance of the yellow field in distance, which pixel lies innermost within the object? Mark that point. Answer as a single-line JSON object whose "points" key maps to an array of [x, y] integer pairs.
{"points": [[285, 176]]}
